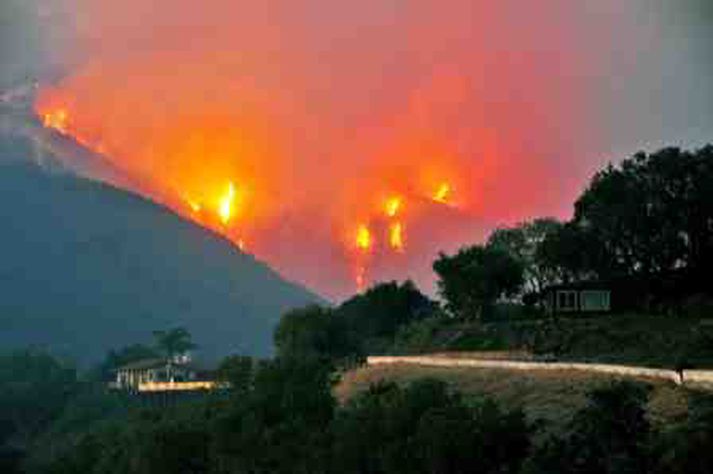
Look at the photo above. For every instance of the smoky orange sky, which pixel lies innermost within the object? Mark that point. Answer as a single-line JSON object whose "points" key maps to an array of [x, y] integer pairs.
{"points": [[317, 111]]}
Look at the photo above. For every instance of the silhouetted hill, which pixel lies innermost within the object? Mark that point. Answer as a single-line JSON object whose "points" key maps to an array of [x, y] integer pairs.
{"points": [[85, 267]]}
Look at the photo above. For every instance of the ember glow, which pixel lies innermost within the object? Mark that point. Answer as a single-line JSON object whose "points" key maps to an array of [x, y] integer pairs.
{"points": [[321, 132]]}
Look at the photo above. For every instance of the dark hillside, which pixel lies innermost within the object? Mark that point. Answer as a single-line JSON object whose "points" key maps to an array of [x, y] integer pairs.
{"points": [[85, 267]]}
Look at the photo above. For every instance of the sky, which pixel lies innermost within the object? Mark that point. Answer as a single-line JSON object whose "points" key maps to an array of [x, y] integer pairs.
{"points": [[317, 111]]}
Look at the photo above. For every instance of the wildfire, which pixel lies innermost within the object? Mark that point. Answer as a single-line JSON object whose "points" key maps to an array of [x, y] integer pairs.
{"points": [[237, 201], [396, 236], [363, 238], [193, 205], [227, 202], [57, 120], [393, 206], [443, 193]]}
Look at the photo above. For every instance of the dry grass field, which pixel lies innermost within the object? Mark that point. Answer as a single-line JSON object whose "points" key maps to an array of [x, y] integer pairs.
{"points": [[545, 396]]}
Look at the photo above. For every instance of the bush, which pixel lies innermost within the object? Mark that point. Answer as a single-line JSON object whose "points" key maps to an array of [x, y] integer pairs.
{"points": [[425, 428]]}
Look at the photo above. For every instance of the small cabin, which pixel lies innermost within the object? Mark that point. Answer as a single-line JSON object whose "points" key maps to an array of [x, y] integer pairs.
{"points": [[580, 297]]}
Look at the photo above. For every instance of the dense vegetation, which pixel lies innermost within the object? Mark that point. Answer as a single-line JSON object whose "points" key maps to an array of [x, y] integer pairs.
{"points": [[280, 416], [648, 219], [365, 324]]}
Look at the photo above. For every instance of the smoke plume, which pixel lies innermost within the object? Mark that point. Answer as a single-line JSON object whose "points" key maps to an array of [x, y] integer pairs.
{"points": [[317, 111]]}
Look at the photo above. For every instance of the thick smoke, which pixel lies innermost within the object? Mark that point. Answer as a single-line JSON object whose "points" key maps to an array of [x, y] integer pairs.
{"points": [[318, 109]]}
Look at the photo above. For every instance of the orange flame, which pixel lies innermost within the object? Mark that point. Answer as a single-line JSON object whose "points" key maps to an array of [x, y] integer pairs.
{"points": [[443, 193], [363, 238], [396, 236], [393, 206], [225, 208], [57, 119], [194, 205]]}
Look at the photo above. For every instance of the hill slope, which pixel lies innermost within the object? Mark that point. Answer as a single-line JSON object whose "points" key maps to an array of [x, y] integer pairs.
{"points": [[85, 267]]}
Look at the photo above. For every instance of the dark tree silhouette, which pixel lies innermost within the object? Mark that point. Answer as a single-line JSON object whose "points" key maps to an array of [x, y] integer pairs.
{"points": [[474, 278], [523, 242], [174, 342]]}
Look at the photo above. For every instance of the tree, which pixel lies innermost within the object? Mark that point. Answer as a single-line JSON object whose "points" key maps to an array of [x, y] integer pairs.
{"points": [[473, 279], [174, 342], [34, 389], [571, 253], [282, 424], [426, 428], [376, 316], [653, 213], [610, 435], [523, 242], [238, 371], [314, 332]]}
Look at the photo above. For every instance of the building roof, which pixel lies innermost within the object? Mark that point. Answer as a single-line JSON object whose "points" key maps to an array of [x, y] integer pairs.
{"points": [[159, 363], [144, 364]]}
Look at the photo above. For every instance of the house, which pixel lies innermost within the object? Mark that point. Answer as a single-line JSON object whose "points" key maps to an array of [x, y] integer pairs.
{"points": [[579, 297], [151, 375]]}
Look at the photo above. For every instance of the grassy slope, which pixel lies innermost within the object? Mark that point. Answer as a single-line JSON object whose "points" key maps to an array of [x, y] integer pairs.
{"points": [[545, 396]]}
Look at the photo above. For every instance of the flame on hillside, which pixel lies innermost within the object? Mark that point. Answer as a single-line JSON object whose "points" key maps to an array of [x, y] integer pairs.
{"points": [[363, 239], [396, 236], [443, 193], [393, 206], [326, 124], [225, 209], [57, 119], [226, 205]]}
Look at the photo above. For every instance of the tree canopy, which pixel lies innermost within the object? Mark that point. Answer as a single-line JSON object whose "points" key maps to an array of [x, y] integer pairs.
{"points": [[651, 214], [474, 278], [523, 242], [174, 342]]}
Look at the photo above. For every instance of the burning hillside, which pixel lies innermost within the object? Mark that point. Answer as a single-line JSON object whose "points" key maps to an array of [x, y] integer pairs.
{"points": [[341, 142], [365, 239]]}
